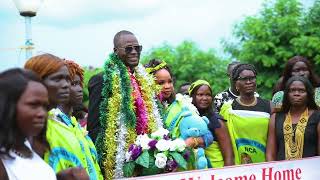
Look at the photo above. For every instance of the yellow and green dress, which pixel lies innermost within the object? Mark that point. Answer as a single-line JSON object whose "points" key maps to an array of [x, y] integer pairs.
{"points": [[248, 129], [70, 146], [173, 116]]}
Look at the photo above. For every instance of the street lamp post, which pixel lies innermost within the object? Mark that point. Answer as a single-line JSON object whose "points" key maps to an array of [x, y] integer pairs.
{"points": [[28, 9]]}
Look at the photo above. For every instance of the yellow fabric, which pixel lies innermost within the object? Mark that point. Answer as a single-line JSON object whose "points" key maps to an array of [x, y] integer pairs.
{"points": [[248, 132], [294, 149], [196, 83], [213, 153], [70, 147]]}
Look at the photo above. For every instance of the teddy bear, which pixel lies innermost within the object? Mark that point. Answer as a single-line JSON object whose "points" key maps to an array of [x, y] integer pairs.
{"points": [[192, 125]]}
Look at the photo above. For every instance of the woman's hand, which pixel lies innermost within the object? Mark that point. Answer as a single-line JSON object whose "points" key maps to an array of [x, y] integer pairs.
{"points": [[194, 142]]}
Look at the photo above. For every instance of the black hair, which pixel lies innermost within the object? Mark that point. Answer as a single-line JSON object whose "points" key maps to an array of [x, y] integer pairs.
{"points": [[118, 36], [233, 63], [155, 62], [78, 111], [13, 83], [287, 72], [184, 84], [310, 93], [241, 67]]}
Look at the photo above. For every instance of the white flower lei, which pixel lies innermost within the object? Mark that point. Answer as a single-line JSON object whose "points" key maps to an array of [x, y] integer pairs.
{"points": [[186, 100]]}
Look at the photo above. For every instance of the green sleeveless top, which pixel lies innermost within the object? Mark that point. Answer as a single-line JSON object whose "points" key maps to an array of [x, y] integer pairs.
{"points": [[248, 131], [70, 146], [173, 114]]}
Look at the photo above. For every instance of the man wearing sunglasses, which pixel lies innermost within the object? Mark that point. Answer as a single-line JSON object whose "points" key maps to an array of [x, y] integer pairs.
{"points": [[127, 49], [118, 105]]}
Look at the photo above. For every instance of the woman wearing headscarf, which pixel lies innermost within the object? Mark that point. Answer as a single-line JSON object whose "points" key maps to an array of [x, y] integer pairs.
{"points": [[220, 151]]}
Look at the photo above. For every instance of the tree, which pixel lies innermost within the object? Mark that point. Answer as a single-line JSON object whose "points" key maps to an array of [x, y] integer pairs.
{"points": [[279, 31], [189, 63]]}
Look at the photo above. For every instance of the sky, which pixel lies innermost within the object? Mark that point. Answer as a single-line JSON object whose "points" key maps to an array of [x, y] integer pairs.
{"points": [[83, 30]]}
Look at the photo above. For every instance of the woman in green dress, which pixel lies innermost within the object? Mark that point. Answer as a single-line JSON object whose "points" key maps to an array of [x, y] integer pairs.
{"points": [[174, 106], [247, 118]]}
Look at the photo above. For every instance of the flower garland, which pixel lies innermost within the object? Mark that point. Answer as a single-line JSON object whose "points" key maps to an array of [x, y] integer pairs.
{"points": [[118, 111]]}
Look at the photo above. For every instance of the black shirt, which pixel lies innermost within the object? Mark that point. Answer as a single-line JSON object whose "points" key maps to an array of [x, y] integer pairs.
{"points": [[310, 135]]}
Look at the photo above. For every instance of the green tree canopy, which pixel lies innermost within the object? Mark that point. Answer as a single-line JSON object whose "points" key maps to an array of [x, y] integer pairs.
{"points": [[189, 63], [280, 31]]}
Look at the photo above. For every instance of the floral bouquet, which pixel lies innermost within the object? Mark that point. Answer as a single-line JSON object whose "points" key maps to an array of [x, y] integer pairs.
{"points": [[156, 153]]}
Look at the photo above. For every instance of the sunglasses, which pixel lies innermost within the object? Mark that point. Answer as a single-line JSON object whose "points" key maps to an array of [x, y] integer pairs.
{"points": [[248, 78], [128, 49]]}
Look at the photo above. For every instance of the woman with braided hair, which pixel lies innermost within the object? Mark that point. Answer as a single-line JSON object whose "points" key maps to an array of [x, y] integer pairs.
{"points": [[247, 117]]}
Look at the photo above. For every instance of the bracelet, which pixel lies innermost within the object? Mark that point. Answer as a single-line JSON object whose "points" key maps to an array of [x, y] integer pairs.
{"points": [[195, 142]]}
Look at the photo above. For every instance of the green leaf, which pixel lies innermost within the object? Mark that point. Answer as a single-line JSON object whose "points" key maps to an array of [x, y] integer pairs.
{"points": [[153, 169], [180, 160], [128, 169], [143, 159]]}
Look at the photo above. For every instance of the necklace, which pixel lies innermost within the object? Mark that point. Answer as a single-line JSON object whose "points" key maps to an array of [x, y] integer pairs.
{"points": [[244, 104], [21, 154], [294, 137]]}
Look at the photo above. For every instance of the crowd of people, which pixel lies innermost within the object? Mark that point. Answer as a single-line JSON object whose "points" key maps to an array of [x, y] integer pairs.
{"points": [[43, 136]]}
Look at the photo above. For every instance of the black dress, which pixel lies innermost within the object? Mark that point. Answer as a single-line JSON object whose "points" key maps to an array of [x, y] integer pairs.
{"points": [[310, 135]]}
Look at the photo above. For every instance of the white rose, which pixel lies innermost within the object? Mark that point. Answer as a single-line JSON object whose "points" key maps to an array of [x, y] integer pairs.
{"points": [[160, 133], [163, 145], [142, 139], [144, 142], [178, 144], [161, 160]]}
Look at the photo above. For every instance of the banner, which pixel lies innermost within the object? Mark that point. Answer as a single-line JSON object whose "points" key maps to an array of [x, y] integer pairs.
{"points": [[304, 169]]}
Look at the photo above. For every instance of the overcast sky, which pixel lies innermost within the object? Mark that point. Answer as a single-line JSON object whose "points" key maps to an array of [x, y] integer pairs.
{"points": [[82, 30]]}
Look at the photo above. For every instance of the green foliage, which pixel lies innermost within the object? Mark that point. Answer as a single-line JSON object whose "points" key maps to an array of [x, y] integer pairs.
{"points": [[88, 73], [143, 159], [128, 169], [179, 159], [188, 63], [280, 31], [152, 170]]}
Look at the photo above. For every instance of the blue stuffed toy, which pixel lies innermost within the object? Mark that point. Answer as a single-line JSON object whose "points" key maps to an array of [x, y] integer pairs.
{"points": [[192, 125]]}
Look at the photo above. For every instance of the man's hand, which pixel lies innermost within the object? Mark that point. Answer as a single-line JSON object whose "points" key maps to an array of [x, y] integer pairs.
{"points": [[76, 173]]}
